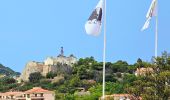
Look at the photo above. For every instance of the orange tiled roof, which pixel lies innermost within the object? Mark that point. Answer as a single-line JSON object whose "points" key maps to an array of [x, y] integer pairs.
{"points": [[11, 93], [38, 90]]}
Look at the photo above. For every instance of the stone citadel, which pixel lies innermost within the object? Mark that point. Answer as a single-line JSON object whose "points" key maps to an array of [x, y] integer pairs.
{"points": [[50, 64]]}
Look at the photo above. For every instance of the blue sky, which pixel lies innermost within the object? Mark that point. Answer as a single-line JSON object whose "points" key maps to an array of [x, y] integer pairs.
{"points": [[35, 29]]}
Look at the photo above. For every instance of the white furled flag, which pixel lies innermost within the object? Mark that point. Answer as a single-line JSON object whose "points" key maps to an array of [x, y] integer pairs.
{"points": [[93, 25], [146, 25], [151, 12]]}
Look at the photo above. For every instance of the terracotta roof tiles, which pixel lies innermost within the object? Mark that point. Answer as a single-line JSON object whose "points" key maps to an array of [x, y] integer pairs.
{"points": [[38, 90]]}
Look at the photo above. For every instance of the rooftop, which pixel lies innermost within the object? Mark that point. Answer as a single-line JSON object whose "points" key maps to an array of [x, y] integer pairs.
{"points": [[38, 90], [11, 93]]}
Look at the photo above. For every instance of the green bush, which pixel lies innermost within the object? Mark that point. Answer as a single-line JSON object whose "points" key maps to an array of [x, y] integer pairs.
{"points": [[35, 77]]}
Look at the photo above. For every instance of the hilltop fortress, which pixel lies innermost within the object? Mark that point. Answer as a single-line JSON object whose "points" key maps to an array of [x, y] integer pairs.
{"points": [[51, 64]]}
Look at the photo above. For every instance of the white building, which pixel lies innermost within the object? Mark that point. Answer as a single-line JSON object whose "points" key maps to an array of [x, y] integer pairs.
{"points": [[61, 59]]}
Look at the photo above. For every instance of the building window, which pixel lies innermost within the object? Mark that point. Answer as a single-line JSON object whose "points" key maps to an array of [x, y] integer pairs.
{"points": [[35, 95], [41, 94], [28, 95]]}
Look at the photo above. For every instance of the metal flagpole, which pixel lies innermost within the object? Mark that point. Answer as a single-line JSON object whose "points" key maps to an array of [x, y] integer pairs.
{"points": [[156, 31], [104, 50]]}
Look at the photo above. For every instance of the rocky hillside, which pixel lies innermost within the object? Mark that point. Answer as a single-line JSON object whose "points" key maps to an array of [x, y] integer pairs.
{"points": [[7, 71], [32, 67], [60, 64]]}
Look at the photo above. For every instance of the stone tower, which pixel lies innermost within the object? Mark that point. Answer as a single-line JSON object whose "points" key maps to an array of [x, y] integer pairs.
{"points": [[62, 51]]}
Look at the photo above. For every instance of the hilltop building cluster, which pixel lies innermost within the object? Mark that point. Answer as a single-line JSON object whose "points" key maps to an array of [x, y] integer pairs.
{"points": [[50, 64]]}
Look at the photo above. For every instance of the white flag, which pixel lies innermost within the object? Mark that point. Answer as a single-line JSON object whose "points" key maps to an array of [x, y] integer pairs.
{"points": [[146, 25], [93, 25], [151, 12]]}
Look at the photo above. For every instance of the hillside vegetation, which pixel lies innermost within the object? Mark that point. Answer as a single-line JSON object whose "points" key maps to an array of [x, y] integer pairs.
{"points": [[87, 74], [7, 71]]}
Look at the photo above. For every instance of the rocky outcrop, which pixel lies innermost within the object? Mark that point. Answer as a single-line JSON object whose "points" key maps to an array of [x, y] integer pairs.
{"points": [[59, 64], [31, 67]]}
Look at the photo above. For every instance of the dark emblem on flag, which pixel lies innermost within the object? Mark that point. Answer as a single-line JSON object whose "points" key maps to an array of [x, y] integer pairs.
{"points": [[152, 11], [96, 16]]}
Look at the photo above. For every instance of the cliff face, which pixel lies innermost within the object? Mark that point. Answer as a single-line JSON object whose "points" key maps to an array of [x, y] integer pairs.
{"points": [[31, 67], [60, 64]]}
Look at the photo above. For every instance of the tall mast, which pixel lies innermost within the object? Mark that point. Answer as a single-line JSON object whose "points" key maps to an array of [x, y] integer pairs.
{"points": [[104, 50]]}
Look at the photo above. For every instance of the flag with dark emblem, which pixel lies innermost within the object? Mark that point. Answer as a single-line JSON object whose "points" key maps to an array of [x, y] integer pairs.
{"points": [[93, 25]]}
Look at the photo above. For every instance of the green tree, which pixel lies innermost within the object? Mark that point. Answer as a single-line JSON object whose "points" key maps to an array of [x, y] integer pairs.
{"points": [[8, 80], [153, 86], [51, 75], [35, 77]]}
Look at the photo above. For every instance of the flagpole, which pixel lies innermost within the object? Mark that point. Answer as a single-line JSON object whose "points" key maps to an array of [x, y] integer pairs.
{"points": [[104, 50], [156, 31]]}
